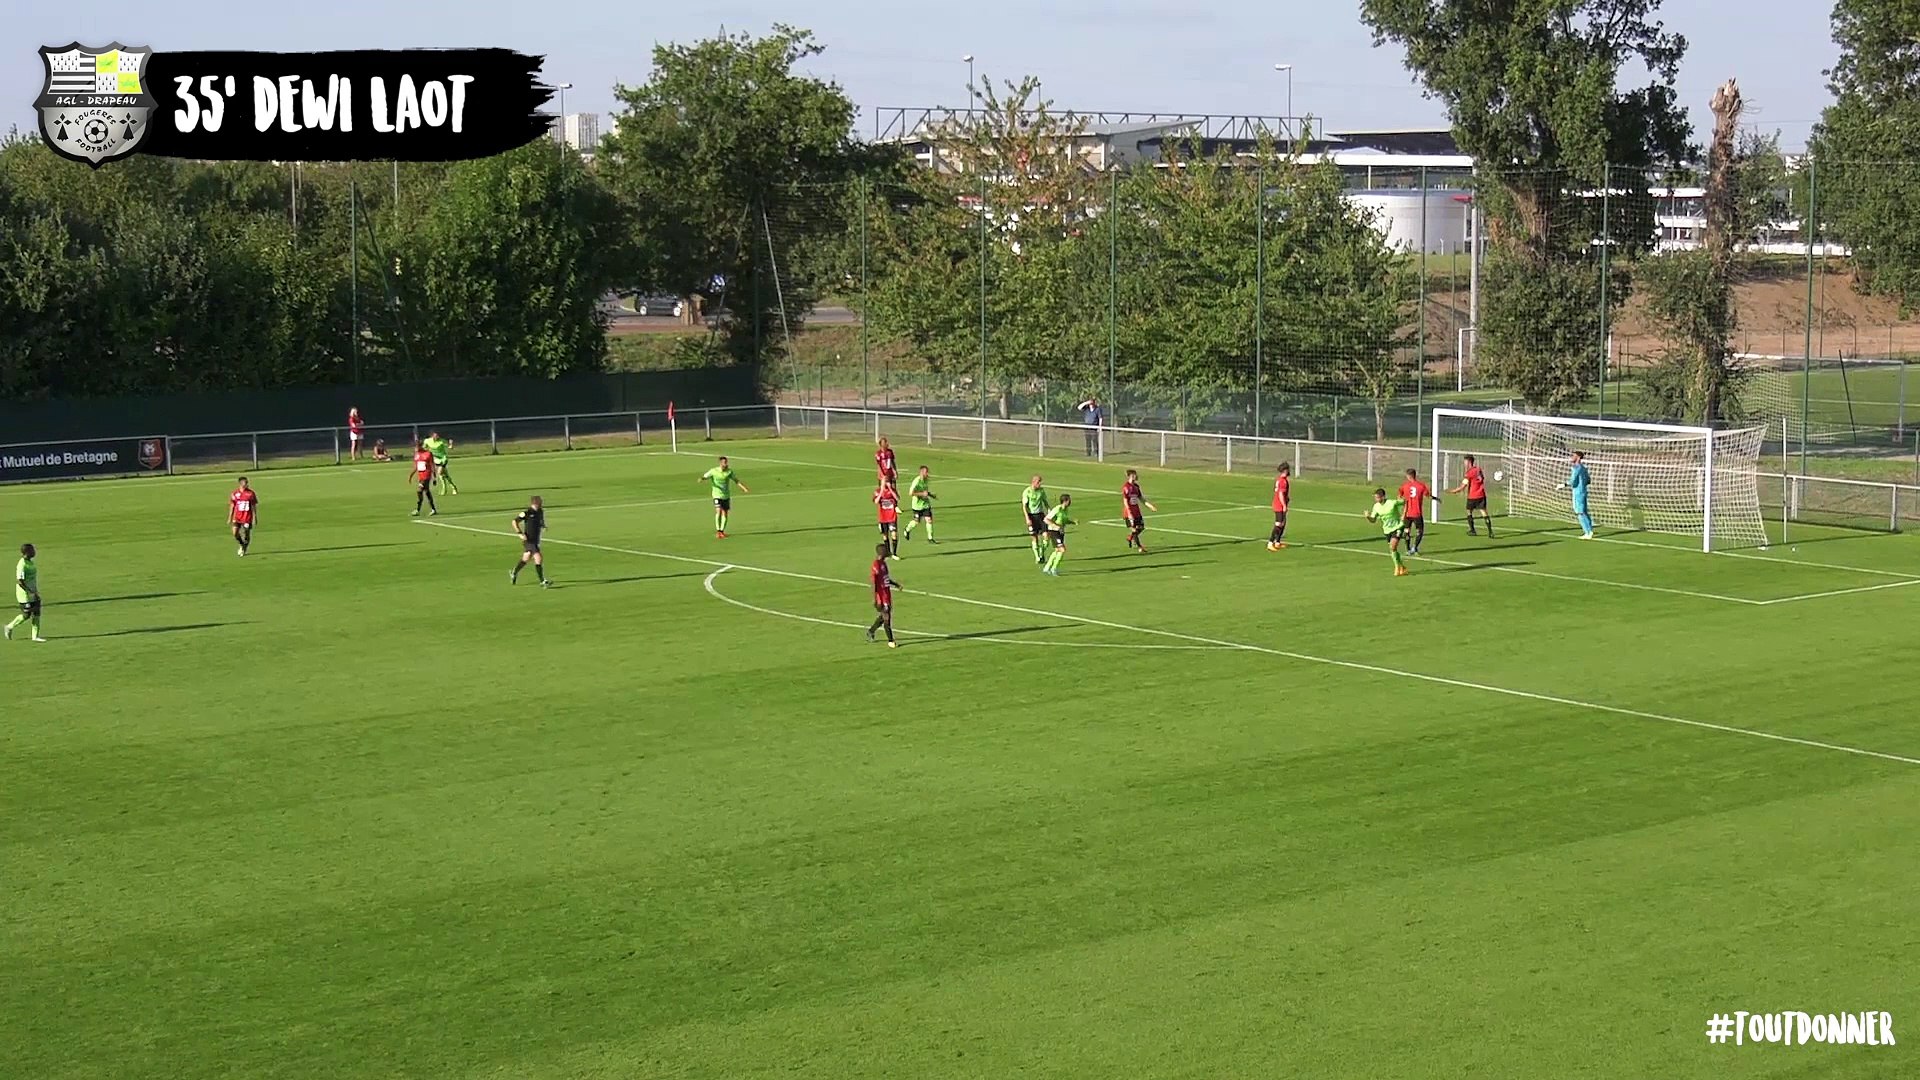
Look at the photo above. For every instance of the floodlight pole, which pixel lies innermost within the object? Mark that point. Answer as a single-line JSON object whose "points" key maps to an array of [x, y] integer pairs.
{"points": [[1288, 68]]}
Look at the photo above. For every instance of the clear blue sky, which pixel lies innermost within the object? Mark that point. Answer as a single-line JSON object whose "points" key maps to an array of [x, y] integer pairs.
{"points": [[1164, 55]]}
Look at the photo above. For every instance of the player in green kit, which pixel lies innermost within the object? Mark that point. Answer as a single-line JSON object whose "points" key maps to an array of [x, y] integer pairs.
{"points": [[1033, 502], [722, 478], [26, 590], [1058, 519], [440, 446], [920, 500], [1389, 514]]}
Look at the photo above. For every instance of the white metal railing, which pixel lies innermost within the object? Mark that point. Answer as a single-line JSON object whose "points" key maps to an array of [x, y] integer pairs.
{"points": [[1795, 497], [331, 445]]}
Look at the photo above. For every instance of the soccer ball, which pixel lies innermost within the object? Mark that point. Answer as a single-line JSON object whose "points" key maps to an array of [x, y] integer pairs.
{"points": [[1498, 476]]}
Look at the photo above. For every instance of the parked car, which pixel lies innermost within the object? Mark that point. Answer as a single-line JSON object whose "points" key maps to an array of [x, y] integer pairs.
{"points": [[660, 305]]}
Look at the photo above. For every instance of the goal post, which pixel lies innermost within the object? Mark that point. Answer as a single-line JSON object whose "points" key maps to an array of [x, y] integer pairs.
{"points": [[1663, 478]]}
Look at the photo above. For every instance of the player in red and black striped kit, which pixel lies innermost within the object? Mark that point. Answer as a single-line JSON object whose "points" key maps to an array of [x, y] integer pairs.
{"points": [[243, 507], [1416, 492], [1474, 483], [883, 464], [422, 479], [883, 584], [887, 501], [1282, 494], [1131, 500]]}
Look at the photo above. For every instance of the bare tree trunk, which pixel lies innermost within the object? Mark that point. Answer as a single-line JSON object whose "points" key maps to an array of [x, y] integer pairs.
{"points": [[1713, 364]]}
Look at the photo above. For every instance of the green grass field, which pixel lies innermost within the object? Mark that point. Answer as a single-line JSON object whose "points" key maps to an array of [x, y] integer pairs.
{"points": [[353, 807]]}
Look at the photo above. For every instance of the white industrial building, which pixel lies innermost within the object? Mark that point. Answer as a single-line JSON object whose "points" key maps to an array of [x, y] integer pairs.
{"points": [[1385, 170]]}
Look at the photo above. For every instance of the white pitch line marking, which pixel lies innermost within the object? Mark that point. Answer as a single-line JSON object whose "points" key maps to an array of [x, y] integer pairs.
{"points": [[1480, 566], [1843, 592], [1224, 505], [685, 501], [1305, 658], [929, 635], [1569, 537]]}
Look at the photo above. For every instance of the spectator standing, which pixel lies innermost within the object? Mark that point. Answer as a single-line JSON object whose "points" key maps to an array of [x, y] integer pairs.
{"points": [[1092, 416]]}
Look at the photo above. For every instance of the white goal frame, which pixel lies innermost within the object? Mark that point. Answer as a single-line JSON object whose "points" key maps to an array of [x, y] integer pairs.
{"points": [[1706, 435]]}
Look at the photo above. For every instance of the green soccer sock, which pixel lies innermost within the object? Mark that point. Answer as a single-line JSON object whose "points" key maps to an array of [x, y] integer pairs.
{"points": [[1053, 560], [929, 530], [1395, 552], [719, 523], [15, 624], [1036, 549], [36, 626]]}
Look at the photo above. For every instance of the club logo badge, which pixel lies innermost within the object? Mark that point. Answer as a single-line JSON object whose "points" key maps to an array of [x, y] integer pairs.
{"points": [[95, 106]]}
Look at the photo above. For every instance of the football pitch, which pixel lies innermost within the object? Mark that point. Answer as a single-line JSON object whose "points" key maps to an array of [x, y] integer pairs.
{"points": [[354, 807]]}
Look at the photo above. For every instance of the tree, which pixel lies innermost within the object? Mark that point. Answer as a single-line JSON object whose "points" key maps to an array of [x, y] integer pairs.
{"points": [[1690, 294], [1185, 281], [704, 151], [1532, 87], [157, 276], [1765, 191], [1169, 260], [504, 274], [1009, 230], [1875, 118]]}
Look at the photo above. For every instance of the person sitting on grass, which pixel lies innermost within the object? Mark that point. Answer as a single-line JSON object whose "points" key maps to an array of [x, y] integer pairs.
{"points": [[380, 450]]}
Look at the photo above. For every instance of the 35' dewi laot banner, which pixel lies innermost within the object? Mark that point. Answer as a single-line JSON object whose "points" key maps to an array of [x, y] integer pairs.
{"points": [[90, 457], [99, 103]]}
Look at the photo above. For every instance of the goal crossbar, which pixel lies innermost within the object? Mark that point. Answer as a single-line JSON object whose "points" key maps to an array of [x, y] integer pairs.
{"points": [[1575, 421], [1676, 478]]}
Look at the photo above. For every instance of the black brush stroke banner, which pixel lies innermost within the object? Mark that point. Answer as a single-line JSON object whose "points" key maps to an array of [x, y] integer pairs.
{"points": [[497, 93]]}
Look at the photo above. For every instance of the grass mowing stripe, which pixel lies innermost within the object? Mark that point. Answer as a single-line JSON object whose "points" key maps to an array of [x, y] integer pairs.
{"points": [[1224, 505], [987, 636], [1474, 566], [1309, 658], [1841, 592]]}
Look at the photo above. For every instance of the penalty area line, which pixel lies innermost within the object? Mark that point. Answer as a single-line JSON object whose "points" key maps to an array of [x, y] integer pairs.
{"points": [[1305, 658], [988, 636], [1457, 564]]}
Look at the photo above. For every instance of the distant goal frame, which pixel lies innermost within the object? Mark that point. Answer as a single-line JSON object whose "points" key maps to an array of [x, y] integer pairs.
{"points": [[1710, 458]]}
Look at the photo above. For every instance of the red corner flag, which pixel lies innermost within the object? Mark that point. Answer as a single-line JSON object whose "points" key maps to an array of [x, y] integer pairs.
{"points": [[669, 412]]}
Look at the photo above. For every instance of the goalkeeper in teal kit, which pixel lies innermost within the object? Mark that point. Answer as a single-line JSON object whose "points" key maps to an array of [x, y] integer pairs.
{"points": [[1577, 483]]}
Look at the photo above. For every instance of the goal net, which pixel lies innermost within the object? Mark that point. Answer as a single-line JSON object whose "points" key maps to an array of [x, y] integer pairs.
{"points": [[1660, 478]]}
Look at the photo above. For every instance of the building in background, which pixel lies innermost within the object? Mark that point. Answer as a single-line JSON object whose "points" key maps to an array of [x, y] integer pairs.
{"points": [[580, 131], [1412, 183]]}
